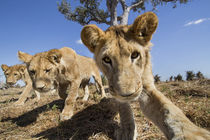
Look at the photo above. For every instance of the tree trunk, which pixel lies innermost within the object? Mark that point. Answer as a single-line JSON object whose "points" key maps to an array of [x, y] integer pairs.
{"points": [[124, 19], [112, 7]]}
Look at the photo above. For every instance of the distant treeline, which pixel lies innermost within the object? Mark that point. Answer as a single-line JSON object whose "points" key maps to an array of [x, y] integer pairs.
{"points": [[190, 76]]}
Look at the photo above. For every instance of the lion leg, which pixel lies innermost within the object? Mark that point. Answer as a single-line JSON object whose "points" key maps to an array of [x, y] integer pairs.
{"points": [[62, 90], [86, 90], [166, 115], [37, 95], [127, 130], [67, 112], [24, 95], [84, 85], [98, 81], [169, 118]]}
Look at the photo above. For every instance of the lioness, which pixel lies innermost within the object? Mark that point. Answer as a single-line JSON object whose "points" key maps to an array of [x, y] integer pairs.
{"points": [[15, 73], [64, 70], [123, 55]]}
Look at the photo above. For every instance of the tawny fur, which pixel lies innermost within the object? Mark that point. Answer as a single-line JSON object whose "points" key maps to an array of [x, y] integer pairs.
{"points": [[15, 73], [123, 55], [62, 70]]}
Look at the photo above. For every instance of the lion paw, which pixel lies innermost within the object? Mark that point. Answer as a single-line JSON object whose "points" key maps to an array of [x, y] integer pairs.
{"points": [[18, 103], [65, 116]]}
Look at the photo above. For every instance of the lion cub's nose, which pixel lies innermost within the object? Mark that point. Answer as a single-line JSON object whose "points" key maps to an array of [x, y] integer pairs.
{"points": [[10, 83], [40, 85]]}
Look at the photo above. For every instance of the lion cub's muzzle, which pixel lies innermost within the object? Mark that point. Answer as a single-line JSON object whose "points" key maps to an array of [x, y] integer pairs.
{"points": [[43, 85], [11, 81], [128, 94]]}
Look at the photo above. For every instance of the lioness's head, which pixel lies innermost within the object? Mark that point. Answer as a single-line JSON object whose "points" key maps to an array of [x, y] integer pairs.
{"points": [[13, 73], [43, 69], [122, 52]]}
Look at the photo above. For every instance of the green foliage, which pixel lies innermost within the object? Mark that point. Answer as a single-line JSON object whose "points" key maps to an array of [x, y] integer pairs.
{"points": [[104, 80], [155, 3], [164, 88], [84, 14], [157, 78], [178, 77], [190, 75], [140, 7], [171, 78], [91, 10], [187, 99], [48, 107], [54, 107], [199, 75]]}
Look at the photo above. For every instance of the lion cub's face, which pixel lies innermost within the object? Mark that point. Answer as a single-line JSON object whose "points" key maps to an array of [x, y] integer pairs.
{"points": [[121, 52], [42, 69], [122, 62], [13, 73]]}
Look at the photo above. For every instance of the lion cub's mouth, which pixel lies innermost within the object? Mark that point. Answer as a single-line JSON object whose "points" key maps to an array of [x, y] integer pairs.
{"points": [[128, 97], [45, 90]]}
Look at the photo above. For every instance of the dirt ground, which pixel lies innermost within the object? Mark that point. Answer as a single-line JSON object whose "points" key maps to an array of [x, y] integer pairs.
{"points": [[95, 119]]}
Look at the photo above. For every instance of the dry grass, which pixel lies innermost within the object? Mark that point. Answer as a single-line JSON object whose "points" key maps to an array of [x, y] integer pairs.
{"points": [[95, 119]]}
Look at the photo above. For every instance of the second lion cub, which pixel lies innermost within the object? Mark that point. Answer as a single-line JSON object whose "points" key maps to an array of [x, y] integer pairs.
{"points": [[63, 70]]}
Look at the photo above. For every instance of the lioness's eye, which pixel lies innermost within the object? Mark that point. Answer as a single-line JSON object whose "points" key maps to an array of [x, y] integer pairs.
{"points": [[47, 70], [134, 55], [107, 60], [32, 72], [15, 74]]}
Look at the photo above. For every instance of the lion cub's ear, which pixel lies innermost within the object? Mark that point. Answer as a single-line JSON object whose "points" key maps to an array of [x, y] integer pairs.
{"points": [[90, 36], [54, 56], [145, 25], [24, 57], [22, 69], [4, 67]]}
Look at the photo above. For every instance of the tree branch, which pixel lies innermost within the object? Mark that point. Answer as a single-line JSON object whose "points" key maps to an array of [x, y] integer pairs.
{"points": [[112, 8], [135, 5], [98, 18], [108, 5], [123, 4]]}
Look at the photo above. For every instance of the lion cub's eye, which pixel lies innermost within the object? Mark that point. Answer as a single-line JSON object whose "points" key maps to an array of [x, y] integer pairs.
{"points": [[107, 60], [32, 72], [134, 55], [15, 74], [47, 70]]}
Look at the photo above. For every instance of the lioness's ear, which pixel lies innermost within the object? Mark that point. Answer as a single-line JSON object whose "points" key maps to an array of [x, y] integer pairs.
{"points": [[90, 36], [145, 25], [54, 56], [4, 67], [24, 57]]}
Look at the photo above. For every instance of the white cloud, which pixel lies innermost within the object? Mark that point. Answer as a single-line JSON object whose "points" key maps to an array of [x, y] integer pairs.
{"points": [[79, 41], [196, 21]]}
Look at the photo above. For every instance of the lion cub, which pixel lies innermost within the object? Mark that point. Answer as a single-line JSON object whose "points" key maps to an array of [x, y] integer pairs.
{"points": [[123, 55], [63, 70], [15, 73]]}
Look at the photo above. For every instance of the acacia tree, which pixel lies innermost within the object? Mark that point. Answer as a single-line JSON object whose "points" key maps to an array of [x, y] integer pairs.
{"points": [[199, 75], [157, 78], [178, 77], [190, 75], [91, 10], [171, 78]]}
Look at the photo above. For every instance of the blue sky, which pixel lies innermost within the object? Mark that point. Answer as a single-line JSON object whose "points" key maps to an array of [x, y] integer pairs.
{"points": [[181, 42]]}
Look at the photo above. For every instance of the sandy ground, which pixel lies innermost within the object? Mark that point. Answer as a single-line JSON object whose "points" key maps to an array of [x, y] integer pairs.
{"points": [[95, 119]]}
